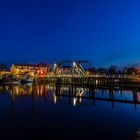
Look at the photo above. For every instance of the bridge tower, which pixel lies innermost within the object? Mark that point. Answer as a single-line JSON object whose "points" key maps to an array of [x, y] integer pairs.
{"points": [[68, 69]]}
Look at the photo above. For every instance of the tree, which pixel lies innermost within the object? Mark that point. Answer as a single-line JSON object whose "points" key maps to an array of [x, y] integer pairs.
{"points": [[130, 71], [101, 70], [92, 69], [3, 66], [112, 69]]}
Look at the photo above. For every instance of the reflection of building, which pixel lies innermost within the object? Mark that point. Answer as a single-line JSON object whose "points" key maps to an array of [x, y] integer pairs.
{"points": [[27, 68], [25, 90], [21, 90]]}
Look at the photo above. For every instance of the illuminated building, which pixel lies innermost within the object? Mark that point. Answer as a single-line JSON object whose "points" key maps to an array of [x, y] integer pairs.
{"points": [[40, 68]]}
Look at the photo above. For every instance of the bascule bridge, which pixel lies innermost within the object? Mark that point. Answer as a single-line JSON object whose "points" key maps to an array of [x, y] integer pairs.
{"points": [[69, 69]]}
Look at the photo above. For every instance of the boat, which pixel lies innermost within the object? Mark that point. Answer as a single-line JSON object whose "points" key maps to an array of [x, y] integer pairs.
{"points": [[27, 79], [9, 79]]}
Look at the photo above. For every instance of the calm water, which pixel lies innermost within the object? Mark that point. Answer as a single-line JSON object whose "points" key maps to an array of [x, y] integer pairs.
{"points": [[28, 112]]}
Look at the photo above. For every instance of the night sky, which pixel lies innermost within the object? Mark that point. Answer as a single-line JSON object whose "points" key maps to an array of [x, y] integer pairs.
{"points": [[105, 32]]}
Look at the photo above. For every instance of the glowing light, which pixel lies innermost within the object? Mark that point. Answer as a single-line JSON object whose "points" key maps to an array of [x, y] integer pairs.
{"points": [[74, 64], [74, 101], [41, 71], [138, 96], [96, 82], [55, 99], [55, 65]]}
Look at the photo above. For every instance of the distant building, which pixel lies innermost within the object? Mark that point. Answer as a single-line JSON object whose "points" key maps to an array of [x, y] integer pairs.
{"points": [[40, 68]]}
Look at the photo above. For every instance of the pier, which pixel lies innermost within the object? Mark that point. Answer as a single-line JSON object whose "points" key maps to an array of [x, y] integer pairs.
{"points": [[67, 73]]}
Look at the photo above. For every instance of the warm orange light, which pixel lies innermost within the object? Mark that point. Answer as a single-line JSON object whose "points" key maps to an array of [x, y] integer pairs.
{"points": [[41, 71]]}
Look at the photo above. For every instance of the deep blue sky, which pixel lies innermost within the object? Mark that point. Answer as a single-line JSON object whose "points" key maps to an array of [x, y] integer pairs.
{"points": [[103, 31]]}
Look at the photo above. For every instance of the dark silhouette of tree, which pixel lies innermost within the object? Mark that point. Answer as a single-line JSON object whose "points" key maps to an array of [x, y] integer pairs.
{"points": [[101, 70], [3, 66], [130, 71], [92, 69], [112, 70]]}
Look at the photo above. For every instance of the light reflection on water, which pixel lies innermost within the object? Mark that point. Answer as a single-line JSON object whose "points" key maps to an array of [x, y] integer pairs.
{"points": [[82, 113]]}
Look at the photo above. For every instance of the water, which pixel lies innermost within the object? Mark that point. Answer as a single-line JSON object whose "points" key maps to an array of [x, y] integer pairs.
{"points": [[29, 112]]}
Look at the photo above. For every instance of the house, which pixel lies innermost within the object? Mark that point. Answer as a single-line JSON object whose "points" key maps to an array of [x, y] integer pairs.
{"points": [[40, 68]]}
